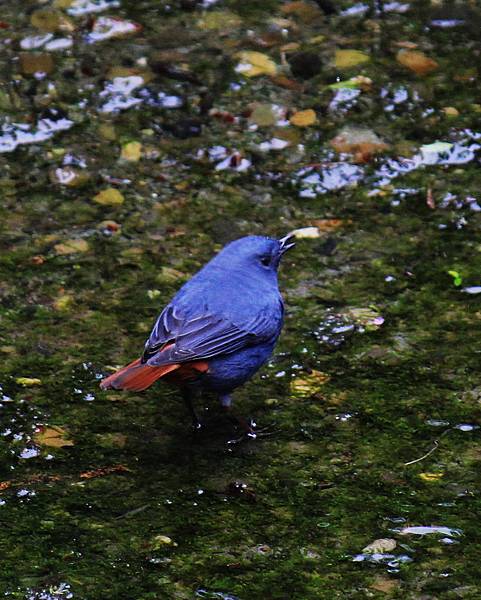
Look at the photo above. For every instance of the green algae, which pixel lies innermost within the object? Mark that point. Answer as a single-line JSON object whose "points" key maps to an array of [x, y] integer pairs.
{"points": [[282, 516]]}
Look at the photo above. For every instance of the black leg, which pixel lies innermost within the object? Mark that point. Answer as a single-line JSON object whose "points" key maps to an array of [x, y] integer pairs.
{"points": [[188, 395]]}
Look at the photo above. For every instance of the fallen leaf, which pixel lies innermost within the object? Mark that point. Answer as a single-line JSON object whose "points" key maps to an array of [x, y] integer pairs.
{"points": [[328, 225], [162, 540], [308, 384], [52, 436], [109, 197], [63, 302], [416, 61], [380, 546], [71, 247], [306, 12], [102, 471], [254, 63], [264, 115], [303, 118], [384, 584], [345, 59], [450, 111], [111, 227], [430, 199], [289, 84], [368, 318], [28, 381], [431, 476], [169, 275], [131, 151], [46, 19], [306, 233], [292, 47], [363, 143], [354, 83], [38, 62], [219, 19]]}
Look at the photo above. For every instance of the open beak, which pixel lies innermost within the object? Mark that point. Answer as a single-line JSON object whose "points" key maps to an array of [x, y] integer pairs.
{"points": [[286, 243]]}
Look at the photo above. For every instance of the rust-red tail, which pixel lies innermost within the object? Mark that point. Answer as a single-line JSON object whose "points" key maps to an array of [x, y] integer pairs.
{"points": [[136, 376]]}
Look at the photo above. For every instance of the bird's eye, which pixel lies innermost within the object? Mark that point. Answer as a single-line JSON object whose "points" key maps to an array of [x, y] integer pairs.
{"points": [[266, 261]]}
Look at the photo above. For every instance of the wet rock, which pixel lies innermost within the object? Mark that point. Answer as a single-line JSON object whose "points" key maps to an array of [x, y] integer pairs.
{"points": [[305, 65], [379, 546], [327, 6], [363, 143], [184, 129], [69, 176]]}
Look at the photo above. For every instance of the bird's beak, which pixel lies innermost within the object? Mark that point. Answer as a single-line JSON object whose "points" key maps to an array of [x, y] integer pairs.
{"points": [[286, 243]]}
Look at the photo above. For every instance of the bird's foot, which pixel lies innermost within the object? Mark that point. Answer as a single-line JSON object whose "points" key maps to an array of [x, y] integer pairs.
{"points": [[249, 431]]}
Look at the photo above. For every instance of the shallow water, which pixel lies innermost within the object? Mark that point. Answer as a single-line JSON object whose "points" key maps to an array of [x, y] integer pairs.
{"points": [[372, 400]]}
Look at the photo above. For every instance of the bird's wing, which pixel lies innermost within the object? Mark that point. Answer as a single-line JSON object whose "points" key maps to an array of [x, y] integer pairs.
{"points": [[176, 338]]}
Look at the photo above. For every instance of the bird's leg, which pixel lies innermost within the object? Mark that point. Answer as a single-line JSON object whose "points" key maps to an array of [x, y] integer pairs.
{"points": [[246, 425], [188, 395]]}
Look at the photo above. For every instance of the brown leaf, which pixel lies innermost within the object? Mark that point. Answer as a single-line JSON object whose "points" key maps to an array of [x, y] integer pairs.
{"points": [[303, 118], [328, 225], [54, 437], [71, 247], [430, 199], [363, 143], [289, 84], [38, 62], [416, 61], [102, 471]]}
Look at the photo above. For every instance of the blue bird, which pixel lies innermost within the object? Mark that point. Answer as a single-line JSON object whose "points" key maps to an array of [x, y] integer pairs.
{"points": [[219, 328]]}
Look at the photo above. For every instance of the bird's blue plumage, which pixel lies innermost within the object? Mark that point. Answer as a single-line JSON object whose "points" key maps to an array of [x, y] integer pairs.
{"points": [[219, 328], [230, 313]]}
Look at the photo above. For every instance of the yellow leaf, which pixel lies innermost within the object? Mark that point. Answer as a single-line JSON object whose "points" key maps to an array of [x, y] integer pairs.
{"points": [[431, 476], [254, 63], [306, 233], [54, 437], [416, 61], [162, 540], [303, 118], [63, 302], [109, 197], [28, 381], [451, 111], [219, 19], [345, 59], [131, 151], [308, 384], [71, 247]]}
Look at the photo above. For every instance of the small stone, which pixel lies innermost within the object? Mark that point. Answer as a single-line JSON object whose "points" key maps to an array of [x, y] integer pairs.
{"points": [[305, 65], [380, 546]]}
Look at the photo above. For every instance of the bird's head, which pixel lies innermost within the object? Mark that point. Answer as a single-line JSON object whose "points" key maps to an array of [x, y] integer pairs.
{"points": [[254, 254]]}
